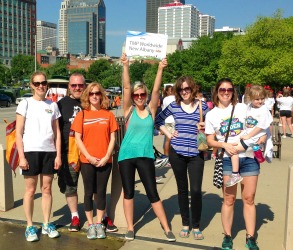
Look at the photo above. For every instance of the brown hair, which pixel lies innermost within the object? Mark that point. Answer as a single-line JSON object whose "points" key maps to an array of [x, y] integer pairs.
{"points": [[215, 97], [190, 82], [286, 92], [165, 91], [256, 92], [85, 103]]}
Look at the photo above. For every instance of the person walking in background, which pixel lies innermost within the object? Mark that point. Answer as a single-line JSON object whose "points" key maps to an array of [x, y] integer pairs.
{"points": [[95, 129], [270, 103], [39, 146], [285, 102], [245, 97], [169, 122], [217, 120], [136, 151], [270, 100], [186, 161], [69, 106]]}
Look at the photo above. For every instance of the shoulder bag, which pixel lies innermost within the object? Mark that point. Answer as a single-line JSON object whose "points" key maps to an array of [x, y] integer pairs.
{"points": [[218, 169], [202, 144]]}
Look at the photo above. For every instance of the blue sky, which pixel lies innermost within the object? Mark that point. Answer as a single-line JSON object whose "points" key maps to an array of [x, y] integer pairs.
{"points": [[123, 15]]}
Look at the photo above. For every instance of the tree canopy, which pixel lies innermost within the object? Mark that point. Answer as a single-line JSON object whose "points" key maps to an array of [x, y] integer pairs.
{"points": [[263, 55]]}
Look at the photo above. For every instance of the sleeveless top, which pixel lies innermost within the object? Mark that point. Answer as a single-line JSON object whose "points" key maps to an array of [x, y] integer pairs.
{"points": [[138, 140]]}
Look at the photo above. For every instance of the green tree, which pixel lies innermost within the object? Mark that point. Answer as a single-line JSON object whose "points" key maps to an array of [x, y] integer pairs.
{"points": [[57, 69], [22, 66], [112, 76], [96, 70], [5, 75], [137, 71], [80, 71], [263, 56]]}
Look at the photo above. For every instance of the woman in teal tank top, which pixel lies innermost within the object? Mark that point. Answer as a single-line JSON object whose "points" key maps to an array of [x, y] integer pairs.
{"points": [[136, 151]]}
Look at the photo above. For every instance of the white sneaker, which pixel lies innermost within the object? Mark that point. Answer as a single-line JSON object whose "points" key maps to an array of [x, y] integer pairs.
{"points": [[284, 136], [31, 234], [50, 230]]}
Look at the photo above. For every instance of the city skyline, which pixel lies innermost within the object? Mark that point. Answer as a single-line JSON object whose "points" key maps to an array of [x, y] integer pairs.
{"points": [[131, 14]]}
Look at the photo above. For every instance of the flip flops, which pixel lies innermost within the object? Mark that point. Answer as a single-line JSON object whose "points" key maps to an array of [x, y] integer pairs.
{"points": [[184, 233], [197, 235]]}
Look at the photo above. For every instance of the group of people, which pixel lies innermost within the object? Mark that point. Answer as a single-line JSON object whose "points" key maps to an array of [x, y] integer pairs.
{"points": [[43, 129]]}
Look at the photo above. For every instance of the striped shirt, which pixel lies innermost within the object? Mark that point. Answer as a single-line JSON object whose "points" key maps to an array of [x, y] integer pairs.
{"points": [[185, 123]]}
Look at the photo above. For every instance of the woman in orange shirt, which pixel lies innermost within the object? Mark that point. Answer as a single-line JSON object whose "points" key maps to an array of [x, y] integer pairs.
{"points": [[95, 130]]}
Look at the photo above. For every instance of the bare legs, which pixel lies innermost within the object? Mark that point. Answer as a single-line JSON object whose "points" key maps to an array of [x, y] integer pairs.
{"points": [[28, 199], [72, 201], [288, 121], [248, 188], [158, 210]]}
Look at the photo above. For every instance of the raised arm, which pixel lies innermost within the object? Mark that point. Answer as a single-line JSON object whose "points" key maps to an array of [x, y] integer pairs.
{"points": [[156, 88], [126, 85]]}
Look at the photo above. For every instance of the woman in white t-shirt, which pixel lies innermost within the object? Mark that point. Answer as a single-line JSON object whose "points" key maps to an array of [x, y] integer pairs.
{"points": [[270, 100], [216, 122], [38, 143], [285, 102]]}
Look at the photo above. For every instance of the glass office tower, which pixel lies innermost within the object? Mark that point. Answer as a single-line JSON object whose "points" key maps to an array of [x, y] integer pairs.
{"points": [[17, 28], [86, 24]]}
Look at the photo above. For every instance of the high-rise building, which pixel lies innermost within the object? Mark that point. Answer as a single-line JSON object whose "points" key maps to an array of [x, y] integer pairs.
{"points": [[86, 27], [178, 20], [62, 28], [207, 25], [152, 13], [46, 35], [17, 28]]}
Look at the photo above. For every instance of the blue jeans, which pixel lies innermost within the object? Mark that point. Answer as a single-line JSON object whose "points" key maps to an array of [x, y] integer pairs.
{"points": [[247, 166]]}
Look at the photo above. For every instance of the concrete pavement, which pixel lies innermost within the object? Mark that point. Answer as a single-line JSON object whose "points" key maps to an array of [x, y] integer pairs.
{"points": [[270, 204]]}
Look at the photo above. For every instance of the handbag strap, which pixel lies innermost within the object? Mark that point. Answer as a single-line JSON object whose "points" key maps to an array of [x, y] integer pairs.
{"points": [[200, 111], [228, 131]]}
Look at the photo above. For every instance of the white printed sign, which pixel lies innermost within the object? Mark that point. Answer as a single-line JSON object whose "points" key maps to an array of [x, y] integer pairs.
{"points": [[144, 45]]}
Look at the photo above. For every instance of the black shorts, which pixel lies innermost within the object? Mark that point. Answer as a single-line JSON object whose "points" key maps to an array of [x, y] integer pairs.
{"points": [[40, 163], [286, 113], [67, 177]]}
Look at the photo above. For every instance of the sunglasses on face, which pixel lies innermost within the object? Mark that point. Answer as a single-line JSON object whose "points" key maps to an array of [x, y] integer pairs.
{"points": [[43, 83], [136, 96], [77, 85], [186, 90], [224, 90], [98, 93]]}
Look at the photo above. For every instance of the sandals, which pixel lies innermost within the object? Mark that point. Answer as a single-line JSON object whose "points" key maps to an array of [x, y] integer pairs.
{"points": [[184, 233], [197, 235]]}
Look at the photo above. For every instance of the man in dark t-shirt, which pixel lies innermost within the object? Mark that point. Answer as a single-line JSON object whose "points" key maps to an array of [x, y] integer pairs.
{"points": [[69, 106]]}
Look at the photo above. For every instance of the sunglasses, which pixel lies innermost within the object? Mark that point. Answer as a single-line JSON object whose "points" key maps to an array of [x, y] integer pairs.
{"points": [[136, 96], [98, 93], [224, 90], [43, 83], [186, 90], [77, 85]]}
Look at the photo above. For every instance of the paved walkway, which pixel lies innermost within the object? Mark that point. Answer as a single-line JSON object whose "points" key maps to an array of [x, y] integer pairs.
{"points": [[270, 204]]}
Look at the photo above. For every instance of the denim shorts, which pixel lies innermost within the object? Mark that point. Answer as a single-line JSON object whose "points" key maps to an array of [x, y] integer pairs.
{"points": [[247, 166]]}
